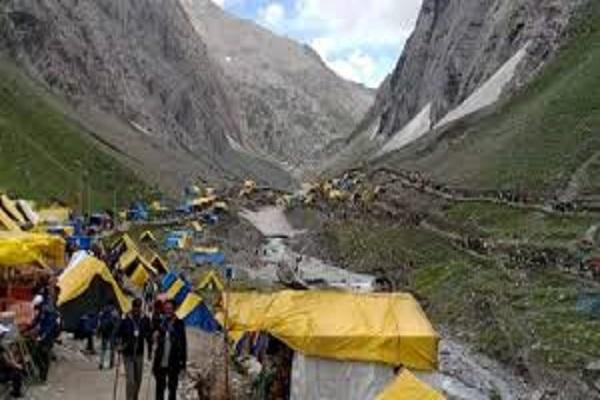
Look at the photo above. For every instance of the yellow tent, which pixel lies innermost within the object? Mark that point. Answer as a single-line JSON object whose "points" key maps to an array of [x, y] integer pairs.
{"points": [[11, 209], [157, 206], [221, 206], [408, 387], [20, 248], [79, 290], [211, 279], [127, 258], [148, 236], [203, 202], [54, 214], [159, 264], [131, 260], [7, 223], [387, 328], [26, 209], [139, 276]]}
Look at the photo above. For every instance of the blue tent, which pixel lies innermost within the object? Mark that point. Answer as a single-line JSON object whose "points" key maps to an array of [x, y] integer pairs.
{"points": [[209, 218], [137, 212], [190, 307], [216, 258], [202, 318], [80, 242]]}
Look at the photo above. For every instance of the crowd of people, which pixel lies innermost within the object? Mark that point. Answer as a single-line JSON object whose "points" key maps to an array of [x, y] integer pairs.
{"points": [[150, 330]]}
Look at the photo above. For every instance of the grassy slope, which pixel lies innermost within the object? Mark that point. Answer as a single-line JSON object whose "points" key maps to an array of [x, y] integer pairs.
{"points": [[539, 138], [43, 155], [507, 313], [504, 222]]}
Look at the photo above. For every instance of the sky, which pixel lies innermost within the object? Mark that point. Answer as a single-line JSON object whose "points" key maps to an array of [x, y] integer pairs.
{"points": [[361, 40]]}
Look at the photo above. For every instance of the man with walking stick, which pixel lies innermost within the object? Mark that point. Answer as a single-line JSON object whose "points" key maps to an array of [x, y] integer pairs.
{"points": [[134, 332]]}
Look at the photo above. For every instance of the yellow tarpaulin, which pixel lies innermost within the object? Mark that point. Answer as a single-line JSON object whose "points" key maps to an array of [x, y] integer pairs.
{"points": [[20, 248], [76, 279], [54, 214], [189, 304], [7, 223], [11, 209], [408, 387], [387, 328], [211, 279], [174, 289], [140, 276]]}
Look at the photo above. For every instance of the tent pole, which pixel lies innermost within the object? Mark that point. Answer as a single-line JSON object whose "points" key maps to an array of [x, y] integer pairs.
{"points": [[226, 328]]}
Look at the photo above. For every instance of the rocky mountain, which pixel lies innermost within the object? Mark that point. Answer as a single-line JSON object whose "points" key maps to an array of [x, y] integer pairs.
{"points": [[292, 105], [181, 89], [461, 57]]}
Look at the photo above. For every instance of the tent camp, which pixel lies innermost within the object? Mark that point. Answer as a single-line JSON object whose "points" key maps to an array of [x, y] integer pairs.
{"points": [[208, 255], [22, 248], [357, 339], [87, 285], [190, 307]]}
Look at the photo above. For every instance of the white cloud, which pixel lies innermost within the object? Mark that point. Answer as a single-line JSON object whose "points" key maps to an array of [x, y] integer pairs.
{"points": [[272, 15], [220, 3], [360, 40], [357, 66], [355, 23]]}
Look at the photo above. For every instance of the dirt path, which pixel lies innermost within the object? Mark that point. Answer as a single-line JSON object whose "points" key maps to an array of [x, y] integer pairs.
{"points": [[75, 376]]}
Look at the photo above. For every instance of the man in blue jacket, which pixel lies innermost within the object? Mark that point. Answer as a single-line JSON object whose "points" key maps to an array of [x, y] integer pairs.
{"points": [[171, 353]]}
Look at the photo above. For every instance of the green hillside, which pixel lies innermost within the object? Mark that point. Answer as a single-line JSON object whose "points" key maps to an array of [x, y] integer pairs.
{"points": [[44, 156], [538, 139]]}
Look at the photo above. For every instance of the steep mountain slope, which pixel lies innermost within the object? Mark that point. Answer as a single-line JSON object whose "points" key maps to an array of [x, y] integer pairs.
{"points": [[544, 140], [43, 154], [461, 58], [292, 105], [456, 47], [140, 77]]}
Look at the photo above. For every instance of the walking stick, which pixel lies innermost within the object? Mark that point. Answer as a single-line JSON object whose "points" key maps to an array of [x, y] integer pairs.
{"points": [[117, 366]]}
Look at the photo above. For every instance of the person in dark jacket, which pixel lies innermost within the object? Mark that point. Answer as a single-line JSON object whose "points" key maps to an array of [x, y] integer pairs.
{"points": [[108, 326], [135, 332], [171, 353]]}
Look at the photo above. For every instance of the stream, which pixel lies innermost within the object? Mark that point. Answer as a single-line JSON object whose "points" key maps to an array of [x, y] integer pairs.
{"points": [[463, 375]]}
